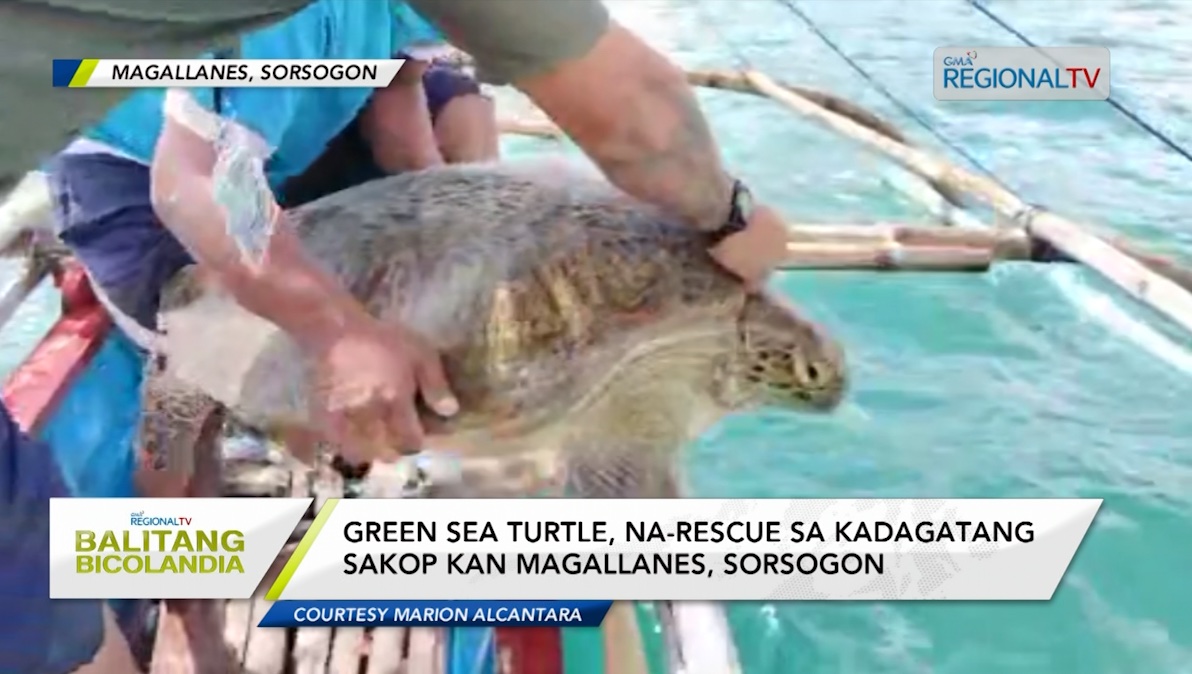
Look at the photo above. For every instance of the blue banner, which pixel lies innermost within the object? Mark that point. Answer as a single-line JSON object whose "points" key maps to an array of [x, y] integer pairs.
{"points": [[353, 613], [64, 71]]}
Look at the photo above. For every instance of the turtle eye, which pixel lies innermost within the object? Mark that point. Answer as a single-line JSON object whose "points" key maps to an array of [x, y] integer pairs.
{"points": [[807, 373], [813, 373]]}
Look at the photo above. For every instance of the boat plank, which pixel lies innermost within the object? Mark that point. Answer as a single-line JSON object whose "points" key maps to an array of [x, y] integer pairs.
{"points": [[32, 392], [266, 647], [529, 650], [624, 651], [387, 650], [312, 645], [237, 627], [703, 635], [348, 646], [332, 650], [425, 653], [312, 649]]}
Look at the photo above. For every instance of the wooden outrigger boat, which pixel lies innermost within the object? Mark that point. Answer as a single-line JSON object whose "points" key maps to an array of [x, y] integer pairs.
{"points": [[77, 390]]}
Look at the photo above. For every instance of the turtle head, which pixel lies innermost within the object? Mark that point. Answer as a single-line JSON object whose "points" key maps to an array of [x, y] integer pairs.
{"points": [[785, 360]]}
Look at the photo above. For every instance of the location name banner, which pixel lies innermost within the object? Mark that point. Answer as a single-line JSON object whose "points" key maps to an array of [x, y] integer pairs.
{"points": [[224, 73], [370, 550]]}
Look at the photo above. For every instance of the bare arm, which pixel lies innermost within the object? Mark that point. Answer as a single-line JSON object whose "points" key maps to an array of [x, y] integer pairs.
{"points": [[633, 113], [624, 103], [397, 124], [288, 288]]}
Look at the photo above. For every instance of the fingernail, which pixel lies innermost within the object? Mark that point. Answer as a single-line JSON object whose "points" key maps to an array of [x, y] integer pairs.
{"points": [[446, 407]]}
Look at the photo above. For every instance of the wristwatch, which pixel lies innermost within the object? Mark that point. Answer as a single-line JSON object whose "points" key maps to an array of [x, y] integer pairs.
{"points": [[739, 212]]}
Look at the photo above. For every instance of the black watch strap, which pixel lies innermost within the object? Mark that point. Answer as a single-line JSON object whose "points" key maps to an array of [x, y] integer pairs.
{"points": [[740, 208]]}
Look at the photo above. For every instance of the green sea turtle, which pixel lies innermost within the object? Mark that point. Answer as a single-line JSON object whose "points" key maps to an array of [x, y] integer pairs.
{"points": [[569, 316]]}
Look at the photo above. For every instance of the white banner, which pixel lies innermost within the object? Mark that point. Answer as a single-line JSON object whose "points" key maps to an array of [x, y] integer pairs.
{"points": [[140, 73], [535, 549], [688, 549], [166, 548]]}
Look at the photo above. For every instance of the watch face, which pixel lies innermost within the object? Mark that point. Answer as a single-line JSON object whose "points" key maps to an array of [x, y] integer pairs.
{"points": [[744, 202]]}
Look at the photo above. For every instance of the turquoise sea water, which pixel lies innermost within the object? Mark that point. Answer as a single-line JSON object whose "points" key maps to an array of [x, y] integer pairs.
{"points": [[1021, 382], [1016, 383], [1029, 381]]}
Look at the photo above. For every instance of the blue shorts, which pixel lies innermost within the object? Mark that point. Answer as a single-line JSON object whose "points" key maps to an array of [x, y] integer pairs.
{"points": [[38, 635], [106, 218], [443, 82]]}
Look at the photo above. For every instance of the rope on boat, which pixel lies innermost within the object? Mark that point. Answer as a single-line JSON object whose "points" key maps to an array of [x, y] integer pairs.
{"points": [[1120, 107], [877, 86]]}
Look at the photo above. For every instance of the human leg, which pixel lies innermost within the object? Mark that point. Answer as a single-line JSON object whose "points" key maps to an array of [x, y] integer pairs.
{"points": [[464, 118], [113, 656], [105, 216], [465, 127]]}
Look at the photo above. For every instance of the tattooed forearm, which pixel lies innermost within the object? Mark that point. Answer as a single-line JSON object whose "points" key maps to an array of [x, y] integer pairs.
{"points": [[662, 151], [633, 113]]}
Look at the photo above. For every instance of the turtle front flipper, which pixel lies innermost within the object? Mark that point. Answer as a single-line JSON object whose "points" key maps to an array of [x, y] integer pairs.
{"points": [[629, 445], [627, 440], [178, 437]]}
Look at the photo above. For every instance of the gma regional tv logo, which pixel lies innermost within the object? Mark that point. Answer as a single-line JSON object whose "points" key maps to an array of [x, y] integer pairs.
{"points": [[152, 544], [1021, 73]]}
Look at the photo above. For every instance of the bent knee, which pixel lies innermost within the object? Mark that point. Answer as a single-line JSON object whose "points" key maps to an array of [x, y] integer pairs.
{"points": [[466, 129]]}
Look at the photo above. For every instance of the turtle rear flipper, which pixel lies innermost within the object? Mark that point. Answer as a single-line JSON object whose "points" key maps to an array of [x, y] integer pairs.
{"points": [[178, 438]]}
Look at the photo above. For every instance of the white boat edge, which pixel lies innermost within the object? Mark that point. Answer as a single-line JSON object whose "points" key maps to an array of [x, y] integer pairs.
{"points": [[28, 207]]}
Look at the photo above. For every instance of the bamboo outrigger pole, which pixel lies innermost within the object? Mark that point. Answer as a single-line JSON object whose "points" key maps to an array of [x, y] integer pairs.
{"points": [[916, 188], [1161, 284], [880, 251], [891, 247], [1132, 276], [943, 195]]}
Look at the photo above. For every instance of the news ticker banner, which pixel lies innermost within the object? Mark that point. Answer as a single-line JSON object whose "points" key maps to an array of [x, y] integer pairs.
{"points": [[427, 553], [142, 73]]}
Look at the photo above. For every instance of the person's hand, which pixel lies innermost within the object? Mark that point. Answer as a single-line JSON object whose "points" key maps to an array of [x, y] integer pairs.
{"points": [[367, 380], [754, 252]]}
